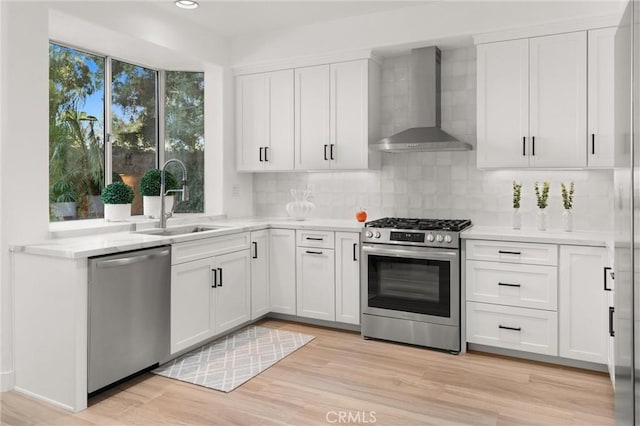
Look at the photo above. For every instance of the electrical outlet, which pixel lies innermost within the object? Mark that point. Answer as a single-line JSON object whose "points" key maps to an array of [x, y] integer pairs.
{"points": [[235, 190]]}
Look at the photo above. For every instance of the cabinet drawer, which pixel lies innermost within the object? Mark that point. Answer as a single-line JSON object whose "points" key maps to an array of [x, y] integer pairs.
{"points": [[321, 239], [529, 330], [527, 286], [512, 252], [206, 247]]}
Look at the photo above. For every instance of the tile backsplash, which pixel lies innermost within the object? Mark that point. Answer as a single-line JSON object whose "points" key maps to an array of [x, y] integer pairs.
{"points": [[438, 184]]}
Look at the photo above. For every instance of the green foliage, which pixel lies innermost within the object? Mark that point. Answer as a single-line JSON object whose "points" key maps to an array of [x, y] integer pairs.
{"points": [[150, 182], [567, 196], [517, 194], [117, 193], [542, 195], [62, 192]]}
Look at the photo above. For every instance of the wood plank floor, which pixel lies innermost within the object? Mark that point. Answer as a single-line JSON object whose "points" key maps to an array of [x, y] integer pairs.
{"points": [[368, 381]]}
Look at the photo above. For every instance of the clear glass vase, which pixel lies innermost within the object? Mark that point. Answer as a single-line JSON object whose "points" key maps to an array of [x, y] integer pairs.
{"points": [[567, 220], [300, 208], [517, 219], [541, 220]]}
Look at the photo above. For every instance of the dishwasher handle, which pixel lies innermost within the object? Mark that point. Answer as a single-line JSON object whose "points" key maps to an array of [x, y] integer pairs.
{"points": [[131, 260]]}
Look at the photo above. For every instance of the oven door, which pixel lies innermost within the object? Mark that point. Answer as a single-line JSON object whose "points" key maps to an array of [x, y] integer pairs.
{"points": [[415, 283]]}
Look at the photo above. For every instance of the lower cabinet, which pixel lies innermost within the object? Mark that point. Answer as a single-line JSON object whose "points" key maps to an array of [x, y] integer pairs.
{"points": [[260, 304], [348, 277], [209, 296], [583, 304], [282, 271], [315, 283], [530, 330]]}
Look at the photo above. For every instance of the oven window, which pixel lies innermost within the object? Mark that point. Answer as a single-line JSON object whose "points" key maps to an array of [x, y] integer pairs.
{"points": [[410, 285]]}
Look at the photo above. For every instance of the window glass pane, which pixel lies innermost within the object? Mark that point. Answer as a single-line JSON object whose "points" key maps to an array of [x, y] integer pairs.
{"points": [[184, 128], [76, 133], [134, 125]]}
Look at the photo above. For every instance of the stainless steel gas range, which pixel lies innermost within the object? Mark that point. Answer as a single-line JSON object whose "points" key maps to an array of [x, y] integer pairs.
{"points": [[411, 281]]}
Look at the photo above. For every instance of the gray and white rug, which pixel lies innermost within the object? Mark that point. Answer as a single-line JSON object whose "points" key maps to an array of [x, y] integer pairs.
{"points": [[232, 360]]}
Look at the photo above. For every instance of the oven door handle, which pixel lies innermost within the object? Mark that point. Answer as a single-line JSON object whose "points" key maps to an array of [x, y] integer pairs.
{"points": [[416, 253]]}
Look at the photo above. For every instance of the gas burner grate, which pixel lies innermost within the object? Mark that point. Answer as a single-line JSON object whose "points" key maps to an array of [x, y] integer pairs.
{"points": [[420, 224]]}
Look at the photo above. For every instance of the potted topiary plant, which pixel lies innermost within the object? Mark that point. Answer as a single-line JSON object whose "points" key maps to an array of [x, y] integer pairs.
{"points": [[150, 190], [117, 198]]}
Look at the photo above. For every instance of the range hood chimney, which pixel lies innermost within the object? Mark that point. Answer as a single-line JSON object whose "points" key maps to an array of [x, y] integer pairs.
{"points": [[425, 133]]}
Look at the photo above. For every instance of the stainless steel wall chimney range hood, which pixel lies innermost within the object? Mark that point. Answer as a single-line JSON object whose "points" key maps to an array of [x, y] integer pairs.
{"points": [[425, 133]]}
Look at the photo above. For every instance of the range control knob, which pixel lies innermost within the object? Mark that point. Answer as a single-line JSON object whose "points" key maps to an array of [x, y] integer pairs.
{"points": [[430, 237], [447, 238], [376, 235], [369, 234], [439, 238]]}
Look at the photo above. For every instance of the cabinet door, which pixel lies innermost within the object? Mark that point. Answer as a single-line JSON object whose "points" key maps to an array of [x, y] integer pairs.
{"points": [[348, 277], [558, 100], [600, 97], [282, 271], [315, 283], [252, 121], [191, 303], [503, 104], [259, 274], [583, 308], [312, 97], [279, 151], [349, 115], [232, 294]]}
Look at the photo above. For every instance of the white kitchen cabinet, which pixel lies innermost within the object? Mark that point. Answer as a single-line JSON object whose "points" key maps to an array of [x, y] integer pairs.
{"points": [[549, 111], [265, 121], [347, 284], [600, 88], [260, 304], [583, 304], [208, 296], [315, 283], [336, 111], [282, 271]]}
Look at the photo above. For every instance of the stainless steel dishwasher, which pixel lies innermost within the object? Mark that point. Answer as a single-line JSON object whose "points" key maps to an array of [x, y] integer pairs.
{"points": [[129, 308]]}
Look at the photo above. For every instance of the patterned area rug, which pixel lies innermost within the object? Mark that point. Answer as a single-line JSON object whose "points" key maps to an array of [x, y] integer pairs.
{"points": [[230, 361]]}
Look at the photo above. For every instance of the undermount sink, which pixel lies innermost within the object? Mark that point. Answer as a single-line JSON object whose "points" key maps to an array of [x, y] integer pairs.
{"points": [[179, 230]]}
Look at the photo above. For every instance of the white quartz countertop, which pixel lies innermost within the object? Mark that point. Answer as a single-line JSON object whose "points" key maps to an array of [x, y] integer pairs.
{"points": [[108, 243], [552, 236]]}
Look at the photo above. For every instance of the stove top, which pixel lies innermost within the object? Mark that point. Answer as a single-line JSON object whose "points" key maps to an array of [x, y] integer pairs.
{"points": [[454, 225]]}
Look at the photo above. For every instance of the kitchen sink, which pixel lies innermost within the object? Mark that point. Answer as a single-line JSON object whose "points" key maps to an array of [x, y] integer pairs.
{"points": [[179, 230]]}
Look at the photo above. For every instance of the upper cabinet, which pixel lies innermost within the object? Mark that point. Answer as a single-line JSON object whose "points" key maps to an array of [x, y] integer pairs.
{"points": [[532, 101], [600, 97], [264, 121], [308, 118], [333, 115]]}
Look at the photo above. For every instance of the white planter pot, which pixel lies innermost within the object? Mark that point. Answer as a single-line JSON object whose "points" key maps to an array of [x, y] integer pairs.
{"points": [[117, 212], [567, 220], [541, 220], [151, 205], [517, 219]]}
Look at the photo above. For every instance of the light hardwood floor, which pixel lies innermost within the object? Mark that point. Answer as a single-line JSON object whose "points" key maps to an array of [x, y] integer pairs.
{"points": [[371, 381]]}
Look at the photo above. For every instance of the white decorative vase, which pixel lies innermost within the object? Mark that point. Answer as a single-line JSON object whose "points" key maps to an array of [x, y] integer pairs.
{"points": [[541, 220], [517, 219], [117, 212], [151, 205], [567, 220], [300, 208]]}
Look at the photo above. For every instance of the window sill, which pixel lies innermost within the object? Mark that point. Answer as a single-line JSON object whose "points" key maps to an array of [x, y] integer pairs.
{"points": [[78, 228]]}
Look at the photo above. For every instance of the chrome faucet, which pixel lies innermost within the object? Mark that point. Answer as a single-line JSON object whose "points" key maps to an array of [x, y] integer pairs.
{"points": [[183, 191]]}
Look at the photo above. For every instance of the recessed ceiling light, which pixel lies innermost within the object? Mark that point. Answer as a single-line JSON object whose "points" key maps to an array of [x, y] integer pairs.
{"points": [[187, 4]]}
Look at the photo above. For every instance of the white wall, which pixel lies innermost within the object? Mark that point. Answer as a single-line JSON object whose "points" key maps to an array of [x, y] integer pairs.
{"points": [[24, 147], [436, 22]]}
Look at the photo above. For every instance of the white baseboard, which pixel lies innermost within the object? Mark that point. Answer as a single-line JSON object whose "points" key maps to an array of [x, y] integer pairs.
{"points": [[45, 399], [7, 380]]}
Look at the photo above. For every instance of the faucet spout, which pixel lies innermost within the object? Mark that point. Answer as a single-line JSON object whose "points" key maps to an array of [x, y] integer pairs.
{"points": [[184, 192]]}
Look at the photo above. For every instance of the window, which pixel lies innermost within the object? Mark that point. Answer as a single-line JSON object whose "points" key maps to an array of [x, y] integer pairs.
{"points": [[79, 164]]}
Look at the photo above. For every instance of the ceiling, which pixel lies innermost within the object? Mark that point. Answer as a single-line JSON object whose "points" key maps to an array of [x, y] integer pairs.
{"points": [[242, 18]]}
